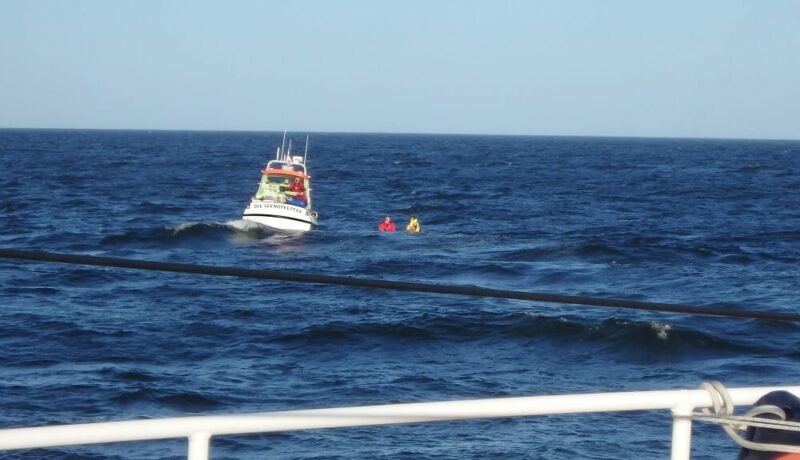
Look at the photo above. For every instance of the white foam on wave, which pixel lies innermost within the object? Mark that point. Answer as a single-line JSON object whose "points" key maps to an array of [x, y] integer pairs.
{"points": [[242, 225], [238, 224], [248, 231], [662, 329], [184, 226]]}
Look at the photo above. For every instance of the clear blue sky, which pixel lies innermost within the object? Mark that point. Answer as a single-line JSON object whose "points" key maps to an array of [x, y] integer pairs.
{"points": [[721, 68]]}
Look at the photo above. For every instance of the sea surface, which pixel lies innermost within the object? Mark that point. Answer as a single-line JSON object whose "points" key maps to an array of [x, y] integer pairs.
{"points": [[700, 222]]}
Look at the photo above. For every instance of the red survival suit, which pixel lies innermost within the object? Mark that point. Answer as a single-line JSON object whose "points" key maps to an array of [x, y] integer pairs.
{"points": [[387, 226]]}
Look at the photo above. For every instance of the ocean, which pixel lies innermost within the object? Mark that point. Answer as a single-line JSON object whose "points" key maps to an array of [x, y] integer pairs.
{"points": [[699, 222]]}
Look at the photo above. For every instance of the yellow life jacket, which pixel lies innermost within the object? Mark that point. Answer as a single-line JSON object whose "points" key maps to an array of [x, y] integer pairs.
{"points": [[413, 226]]}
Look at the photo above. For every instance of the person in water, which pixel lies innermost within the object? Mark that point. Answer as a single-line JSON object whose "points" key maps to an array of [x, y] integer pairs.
{"points": [[413, 225], [387, 225]]}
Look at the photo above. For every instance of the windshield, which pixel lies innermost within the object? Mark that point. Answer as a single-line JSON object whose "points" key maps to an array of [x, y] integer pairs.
{"points": [[279, 179], [283, 189]]}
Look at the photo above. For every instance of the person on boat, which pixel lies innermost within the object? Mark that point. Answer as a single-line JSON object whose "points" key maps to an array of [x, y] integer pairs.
{"points": [[298, 188], [387, 225], [413, 225]]}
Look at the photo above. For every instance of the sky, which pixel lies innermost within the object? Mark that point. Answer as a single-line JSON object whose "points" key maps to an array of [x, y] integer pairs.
{"points": [[714, 69]]}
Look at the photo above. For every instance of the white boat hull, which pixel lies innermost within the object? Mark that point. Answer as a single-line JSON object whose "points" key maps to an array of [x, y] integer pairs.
{"points": [[280, 216]]}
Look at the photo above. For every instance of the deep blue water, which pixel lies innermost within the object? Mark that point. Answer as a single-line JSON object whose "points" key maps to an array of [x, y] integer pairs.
{"points": [[704, 222]]}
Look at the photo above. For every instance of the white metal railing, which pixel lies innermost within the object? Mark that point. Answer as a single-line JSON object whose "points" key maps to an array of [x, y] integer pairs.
{"points": [[199, 430]]}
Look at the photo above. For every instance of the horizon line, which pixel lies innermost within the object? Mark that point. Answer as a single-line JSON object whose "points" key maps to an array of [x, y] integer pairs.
{"points": [[403, 133]]}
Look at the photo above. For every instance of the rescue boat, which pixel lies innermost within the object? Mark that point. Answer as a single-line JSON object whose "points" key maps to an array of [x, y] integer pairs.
{"points": [[283, 199]]}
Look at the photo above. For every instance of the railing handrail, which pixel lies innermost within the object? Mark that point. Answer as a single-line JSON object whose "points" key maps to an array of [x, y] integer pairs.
{"points": [[201, 428]]}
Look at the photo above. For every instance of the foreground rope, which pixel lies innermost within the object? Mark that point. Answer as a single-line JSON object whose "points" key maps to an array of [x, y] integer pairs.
{"points": [[42, 256], [723, 416]]}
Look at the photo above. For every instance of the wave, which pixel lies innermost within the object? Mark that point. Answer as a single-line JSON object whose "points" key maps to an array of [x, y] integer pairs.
{"points": [[345, 331], [752, 167], [613, 335], [191, 232], [178, 401], [433, 207], [147, 207], [140, 376], [591, 251], [645, 250], [75, 454], [65, 278], [12, 206], [35, 291]]}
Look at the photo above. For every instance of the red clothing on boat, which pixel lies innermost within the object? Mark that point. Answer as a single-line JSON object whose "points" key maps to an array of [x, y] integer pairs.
{"points": [[298, 188]]}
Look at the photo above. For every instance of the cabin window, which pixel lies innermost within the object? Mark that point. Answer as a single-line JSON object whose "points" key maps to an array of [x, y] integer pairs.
{"points": [[270, 188], [274, 187], [278, 179]]}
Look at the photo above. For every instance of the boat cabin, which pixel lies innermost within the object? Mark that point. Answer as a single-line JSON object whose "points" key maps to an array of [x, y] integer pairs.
{"points": [[277, 181]]}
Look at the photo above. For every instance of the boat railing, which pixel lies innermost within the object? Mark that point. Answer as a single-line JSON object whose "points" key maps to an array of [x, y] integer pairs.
{"points": [[199, 430]]}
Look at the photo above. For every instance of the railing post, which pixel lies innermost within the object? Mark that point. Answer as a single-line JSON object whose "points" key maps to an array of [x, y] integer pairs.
{"points": [[199, 444], [682, 429]]}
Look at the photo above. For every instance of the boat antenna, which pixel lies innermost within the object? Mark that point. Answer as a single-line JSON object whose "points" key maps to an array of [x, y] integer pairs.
{"points": [[283, 143], [305, 152], [289, 152]]}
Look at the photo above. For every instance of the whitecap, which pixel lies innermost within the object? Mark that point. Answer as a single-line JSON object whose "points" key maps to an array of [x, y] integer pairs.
{"points": [[662, 330]]}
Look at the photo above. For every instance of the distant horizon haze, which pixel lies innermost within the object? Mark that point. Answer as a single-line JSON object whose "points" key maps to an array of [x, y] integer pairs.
{"points": [[390, 133]]}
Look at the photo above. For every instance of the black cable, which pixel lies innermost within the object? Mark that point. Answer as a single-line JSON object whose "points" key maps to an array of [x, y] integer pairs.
{"points": [[42, 256]]}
